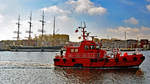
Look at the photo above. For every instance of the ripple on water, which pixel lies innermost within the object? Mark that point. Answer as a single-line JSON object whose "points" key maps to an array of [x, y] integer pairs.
{"points": [[37, 68]]}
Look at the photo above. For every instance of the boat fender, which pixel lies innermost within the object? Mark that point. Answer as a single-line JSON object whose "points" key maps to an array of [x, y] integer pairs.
{"points": [[56, 60], [134, 58], [73, 60], [125, 59], [142, 58], [106, 60], [116, 60], [64, 60]]}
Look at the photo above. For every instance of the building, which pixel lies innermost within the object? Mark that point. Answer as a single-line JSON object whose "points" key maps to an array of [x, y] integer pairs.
{"points": [[48, 40], [144, 43], [131, 43]]}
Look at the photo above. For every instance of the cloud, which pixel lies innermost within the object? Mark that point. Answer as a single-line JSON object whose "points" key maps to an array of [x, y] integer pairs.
{"points": [[148, 0], [64, 18], [132, 20], [145, 28], [2, 7], [1, 18], [64, 23], [55, 9], [142, 32], [123, 29], [86, 6], [148, 7]]}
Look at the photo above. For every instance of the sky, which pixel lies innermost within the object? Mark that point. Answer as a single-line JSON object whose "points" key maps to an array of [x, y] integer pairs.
{"points": [[104, 18]]}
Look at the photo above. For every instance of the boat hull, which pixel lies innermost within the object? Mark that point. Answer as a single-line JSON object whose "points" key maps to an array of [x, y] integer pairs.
{"points": [[35, 49], [122, 62]]}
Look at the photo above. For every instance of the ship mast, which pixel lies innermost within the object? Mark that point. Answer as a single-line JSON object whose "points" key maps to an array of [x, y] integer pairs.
{"points": [[54, 27], [43, 23], [30, 26], [18, 31], [84, 33]]}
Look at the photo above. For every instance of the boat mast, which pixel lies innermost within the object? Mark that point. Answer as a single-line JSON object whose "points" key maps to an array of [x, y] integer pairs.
{"points": [[83, 31], [30, 26], [43, 23], [54, 27], [18, 31]]}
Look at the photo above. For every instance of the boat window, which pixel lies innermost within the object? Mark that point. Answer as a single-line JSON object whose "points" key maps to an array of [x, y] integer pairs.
{"points": [[76, 50], [86, 47], [92, 47], [72, 50]]}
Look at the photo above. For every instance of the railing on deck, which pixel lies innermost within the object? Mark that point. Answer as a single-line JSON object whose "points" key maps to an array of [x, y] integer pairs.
{"points": [[84, 55]]}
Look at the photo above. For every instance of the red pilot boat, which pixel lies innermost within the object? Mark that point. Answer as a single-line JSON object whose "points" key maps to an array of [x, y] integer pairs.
{"points": [[89, 54]]}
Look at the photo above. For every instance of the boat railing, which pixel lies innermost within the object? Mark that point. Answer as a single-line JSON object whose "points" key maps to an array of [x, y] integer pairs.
{"points": [[84, 55]]}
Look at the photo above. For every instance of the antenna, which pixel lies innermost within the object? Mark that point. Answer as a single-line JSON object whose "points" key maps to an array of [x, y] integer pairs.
{"points": [[81, 23], [54, 27], [83, 31], [125, 35], [84, 25]]}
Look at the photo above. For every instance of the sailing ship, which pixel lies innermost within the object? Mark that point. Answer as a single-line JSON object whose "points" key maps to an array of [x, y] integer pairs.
{"points": [[31, 48]]}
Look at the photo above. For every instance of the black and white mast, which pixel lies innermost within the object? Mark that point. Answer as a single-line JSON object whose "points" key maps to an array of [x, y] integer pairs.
{"points": [[43, 23], [42, 30], [18, 30], [30, 26]]}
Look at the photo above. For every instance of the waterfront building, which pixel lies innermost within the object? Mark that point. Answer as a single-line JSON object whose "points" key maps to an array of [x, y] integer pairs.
{"points": [[131, 43], [49, 40], [144, 43]]}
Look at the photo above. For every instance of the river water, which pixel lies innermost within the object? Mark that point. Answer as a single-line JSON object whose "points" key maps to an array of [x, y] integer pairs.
{"points": [[37, 68]]}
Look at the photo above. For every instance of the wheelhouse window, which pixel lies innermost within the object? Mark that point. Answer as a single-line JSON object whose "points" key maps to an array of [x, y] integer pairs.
{"points": [[76, 50], [86, 47], [92, 47], [72, 50]]}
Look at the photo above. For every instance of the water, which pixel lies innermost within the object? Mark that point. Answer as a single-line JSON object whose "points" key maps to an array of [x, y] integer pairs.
{"points": [[37, 68]]}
